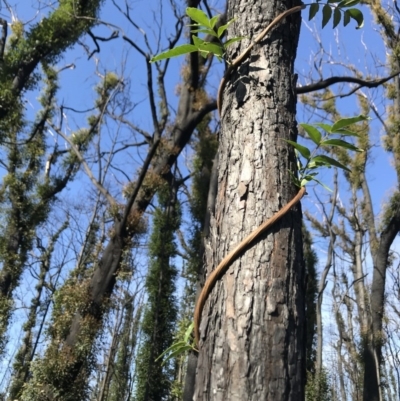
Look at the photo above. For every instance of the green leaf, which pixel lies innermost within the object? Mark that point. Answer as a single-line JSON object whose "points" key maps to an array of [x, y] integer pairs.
{"points": [[345, 132], [177, 353], [213, 48], [313, 10], [233, 40], [175, 52], [326, 14], [309, 178], [295, 180], [205, 31], [173, 347], [207, 47], [314, 164], [197, 41], [199, 16], [357, 15], [306, 179], [223, 28], [188, 332], [342, 144], [337, 15], [348, 3], [345, 122], [312, 132], [303, 183], [305, 152], [323, 185], [328, 161], [325, 127], [346, 18], [213, 21]]}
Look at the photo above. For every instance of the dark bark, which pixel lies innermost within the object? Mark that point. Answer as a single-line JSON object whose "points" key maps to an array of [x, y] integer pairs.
{"points": [[252, 331], [373, 347], [27, 349], [190, 378], [160, 159], [103, 279]]}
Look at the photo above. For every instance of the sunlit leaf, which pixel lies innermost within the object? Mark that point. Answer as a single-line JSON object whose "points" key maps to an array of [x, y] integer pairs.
{"points": [[342, 144], [205, 31], [214, 48], [312, 132], [197, 41], [322, 184], [346, 132], [188, 332], [199, 16], [175, 52], [348, 3], [325, 127], [306, 179], [223, 28], [345, 122], [213, 21], [329, 162]]}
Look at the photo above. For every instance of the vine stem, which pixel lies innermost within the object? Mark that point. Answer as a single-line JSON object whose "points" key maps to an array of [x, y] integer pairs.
{"points": [[225, 263]]}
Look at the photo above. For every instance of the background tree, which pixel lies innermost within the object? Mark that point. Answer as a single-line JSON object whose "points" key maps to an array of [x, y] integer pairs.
{"points": [[27, 194], [154, 378]]}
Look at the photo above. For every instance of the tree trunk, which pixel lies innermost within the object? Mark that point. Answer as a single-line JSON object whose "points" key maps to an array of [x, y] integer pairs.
{"points": [[252, 343], [373, 347], [190, 378]]}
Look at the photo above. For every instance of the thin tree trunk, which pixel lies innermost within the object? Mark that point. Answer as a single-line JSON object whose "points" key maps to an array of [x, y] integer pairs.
{"points": [[108, 366], [324, 275], [190, 378]]}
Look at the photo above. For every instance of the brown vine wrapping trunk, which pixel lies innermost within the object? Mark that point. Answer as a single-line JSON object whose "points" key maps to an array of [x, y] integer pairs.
{"points": [[252, 327]]}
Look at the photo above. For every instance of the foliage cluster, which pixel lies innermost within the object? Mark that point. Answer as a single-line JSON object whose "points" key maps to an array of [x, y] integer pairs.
{"points": [[159, 318]]}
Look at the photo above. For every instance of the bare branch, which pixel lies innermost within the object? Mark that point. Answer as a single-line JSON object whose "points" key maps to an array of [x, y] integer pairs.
{"points": [[134, 127], [82, 160], [334, 80], [95, 38]]}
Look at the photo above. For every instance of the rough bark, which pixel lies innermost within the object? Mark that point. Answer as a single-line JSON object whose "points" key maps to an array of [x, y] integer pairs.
{"points": [[252, 329], [190, 378], [380, 247], [373, 349]]}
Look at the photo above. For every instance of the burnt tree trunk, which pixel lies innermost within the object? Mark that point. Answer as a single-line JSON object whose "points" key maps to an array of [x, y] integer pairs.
{"points": [[252, 343]]}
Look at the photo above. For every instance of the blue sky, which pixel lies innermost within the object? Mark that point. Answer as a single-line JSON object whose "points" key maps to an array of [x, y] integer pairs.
{"points": [[362, 48]]}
